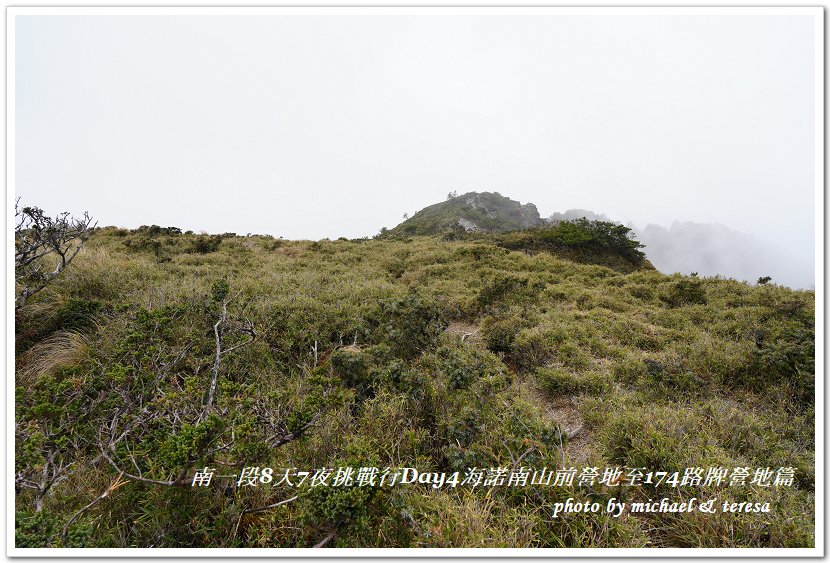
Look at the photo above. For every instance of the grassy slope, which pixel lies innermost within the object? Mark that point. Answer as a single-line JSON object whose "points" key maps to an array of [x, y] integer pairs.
{"points": [[659, 371]]}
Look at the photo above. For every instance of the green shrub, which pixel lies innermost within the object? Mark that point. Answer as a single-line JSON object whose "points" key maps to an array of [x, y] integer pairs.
{"points": [[642, 292], [500, 334], [409, 325], [35, 529], [348, 510], [557, 382], [531, 349], [657, 441], [501, 289], [178, 451], [204, 244], [155, 230], [684, 292], [669, 376], [462, 367], [352, 367], [219, 290], [593, 241], [785, 354]]}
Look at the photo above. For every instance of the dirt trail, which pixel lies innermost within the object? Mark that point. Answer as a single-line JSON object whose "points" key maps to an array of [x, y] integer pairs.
{"points": [[564, 411], [467, 332]]}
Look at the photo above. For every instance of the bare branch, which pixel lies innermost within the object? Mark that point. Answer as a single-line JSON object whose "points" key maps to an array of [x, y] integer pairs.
{"points": [[115, 485], [218, 333], [247, 329], [218, 360], [296, 434], [573, 434], [466, 335], [37, 236], [327, 539], [179, 482], [270, 506]]}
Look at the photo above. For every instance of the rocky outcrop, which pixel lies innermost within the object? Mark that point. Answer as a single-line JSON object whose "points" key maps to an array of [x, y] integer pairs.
{"points": [[485, 212]]}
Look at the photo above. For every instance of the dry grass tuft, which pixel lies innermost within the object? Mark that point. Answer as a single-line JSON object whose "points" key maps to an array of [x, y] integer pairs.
{"points": [[61, 350]]}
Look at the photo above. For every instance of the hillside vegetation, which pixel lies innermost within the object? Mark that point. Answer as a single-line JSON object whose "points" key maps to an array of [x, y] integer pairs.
{"points": [[158, 353], [486, 212]]}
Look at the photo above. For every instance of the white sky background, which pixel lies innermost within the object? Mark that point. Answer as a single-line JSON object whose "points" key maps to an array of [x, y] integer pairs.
{"points": [[312, 127]]}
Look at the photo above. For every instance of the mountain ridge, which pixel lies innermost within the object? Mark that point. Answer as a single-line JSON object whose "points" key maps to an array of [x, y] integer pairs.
{"points": [[476, 212], [496, 219]]}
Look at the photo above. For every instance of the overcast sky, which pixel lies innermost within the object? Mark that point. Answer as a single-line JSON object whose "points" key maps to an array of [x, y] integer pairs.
{"points": [[312, 127]]}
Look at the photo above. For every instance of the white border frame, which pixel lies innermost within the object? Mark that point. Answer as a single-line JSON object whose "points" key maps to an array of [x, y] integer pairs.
{"points": [[817, 551]]}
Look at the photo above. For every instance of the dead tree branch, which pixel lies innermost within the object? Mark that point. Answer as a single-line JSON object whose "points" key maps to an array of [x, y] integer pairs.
{"points": [[218, 333], [115, 485], [269, 506], [218, 359], [284, 439], [37, 237], [327, 539]]}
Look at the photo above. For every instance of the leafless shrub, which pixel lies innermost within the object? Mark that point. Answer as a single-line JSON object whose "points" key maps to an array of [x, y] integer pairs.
{"points": [[39, 240]]}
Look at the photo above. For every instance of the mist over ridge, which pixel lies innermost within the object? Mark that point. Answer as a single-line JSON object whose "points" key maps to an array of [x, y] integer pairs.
{"points": [[686, 247], [712, 249]]}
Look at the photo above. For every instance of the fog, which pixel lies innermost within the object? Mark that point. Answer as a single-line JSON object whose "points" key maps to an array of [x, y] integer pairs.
{"points": [[328, 126], [713, 249]]}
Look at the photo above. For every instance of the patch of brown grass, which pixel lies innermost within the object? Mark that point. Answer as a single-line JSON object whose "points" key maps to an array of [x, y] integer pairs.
{"points": [[60, 350]]}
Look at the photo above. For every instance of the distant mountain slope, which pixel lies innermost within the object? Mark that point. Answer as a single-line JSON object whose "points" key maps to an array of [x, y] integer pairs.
{"points": [[486, 212], [495, 219], [572, 214], [708, 249]]}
